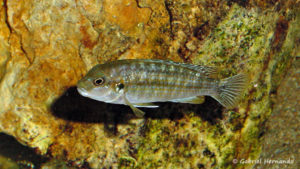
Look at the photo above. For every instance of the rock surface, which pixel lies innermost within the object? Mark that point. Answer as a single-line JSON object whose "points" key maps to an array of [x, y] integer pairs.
{"points": [[282, 132], [47, 46]]}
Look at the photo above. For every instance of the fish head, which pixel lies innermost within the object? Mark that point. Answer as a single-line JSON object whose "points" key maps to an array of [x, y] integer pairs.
{"points": [[96, 85]]}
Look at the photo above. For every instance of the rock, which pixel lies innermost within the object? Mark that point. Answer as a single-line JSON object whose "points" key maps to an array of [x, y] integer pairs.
{"points": [[280, 147], [47, 46]]}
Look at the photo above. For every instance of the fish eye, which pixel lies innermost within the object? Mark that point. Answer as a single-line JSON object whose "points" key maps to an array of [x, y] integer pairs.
{"points": [[99, 81]]}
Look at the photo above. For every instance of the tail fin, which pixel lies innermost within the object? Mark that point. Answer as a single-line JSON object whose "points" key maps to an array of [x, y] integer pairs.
{"points": [[230, 90]]}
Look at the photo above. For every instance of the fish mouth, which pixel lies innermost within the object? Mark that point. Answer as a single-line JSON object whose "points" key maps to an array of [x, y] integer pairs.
{"points": [[82, 91]]}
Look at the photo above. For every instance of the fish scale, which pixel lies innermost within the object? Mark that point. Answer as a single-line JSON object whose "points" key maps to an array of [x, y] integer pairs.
{"points": [[139, 82], [180, 84]]}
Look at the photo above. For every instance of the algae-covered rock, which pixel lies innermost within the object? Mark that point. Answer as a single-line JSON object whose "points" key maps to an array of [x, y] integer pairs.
{"points": [[47, 46], [280, 144]]}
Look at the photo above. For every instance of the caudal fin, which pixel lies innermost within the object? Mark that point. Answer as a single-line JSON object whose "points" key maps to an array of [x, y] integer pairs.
{"points": [[230, 90]]}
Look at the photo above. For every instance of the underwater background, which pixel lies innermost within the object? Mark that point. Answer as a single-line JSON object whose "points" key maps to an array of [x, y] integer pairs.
{"points": [[47, 46]]}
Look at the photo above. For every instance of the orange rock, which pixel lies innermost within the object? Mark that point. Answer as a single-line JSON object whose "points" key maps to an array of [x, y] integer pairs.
{"points": [[126, 14]]}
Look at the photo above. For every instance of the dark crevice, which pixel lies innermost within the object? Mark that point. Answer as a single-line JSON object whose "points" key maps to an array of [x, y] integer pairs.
{"points": [[280, 34], [243, 3], [201, 31], [137, 4], [24, 51], [11, 30], [6, 16], [22, 155], [183, 53], [167, 5]]}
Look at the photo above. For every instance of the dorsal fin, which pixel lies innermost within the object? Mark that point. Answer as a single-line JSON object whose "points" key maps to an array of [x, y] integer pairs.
{"points": [[207, 71]]}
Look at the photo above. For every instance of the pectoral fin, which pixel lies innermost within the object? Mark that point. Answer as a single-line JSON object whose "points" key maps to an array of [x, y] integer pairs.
{"points": [[191, 100], [148, 105], [136, 111]]}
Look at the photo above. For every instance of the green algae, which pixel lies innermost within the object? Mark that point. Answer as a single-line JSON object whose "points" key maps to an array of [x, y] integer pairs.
{"points": [[127, 162]]}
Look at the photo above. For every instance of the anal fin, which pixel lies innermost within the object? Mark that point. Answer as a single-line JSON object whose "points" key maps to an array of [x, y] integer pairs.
{"points": [[191, 100], [147, 105]]}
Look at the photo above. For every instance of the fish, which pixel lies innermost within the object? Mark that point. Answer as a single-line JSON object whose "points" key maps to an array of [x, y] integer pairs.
{"points": [[140, 82]]}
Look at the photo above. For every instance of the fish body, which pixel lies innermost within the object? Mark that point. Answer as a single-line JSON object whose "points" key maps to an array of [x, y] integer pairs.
{"points": [[139, 82]]}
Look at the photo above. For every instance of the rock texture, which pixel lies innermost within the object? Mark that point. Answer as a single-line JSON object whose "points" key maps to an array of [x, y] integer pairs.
{"points": [[282, 135], [47, 46]]}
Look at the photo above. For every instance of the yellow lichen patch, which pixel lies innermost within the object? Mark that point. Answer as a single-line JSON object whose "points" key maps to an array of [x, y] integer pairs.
{"points": [[126, 14], [10, 120]]}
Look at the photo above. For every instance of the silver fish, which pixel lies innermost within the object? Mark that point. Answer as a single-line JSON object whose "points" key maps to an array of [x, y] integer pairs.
{"points": [[139, 82]]}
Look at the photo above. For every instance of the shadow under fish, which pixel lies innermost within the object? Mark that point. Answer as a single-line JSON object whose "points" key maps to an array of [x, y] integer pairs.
{"points": [[71, 106]]}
